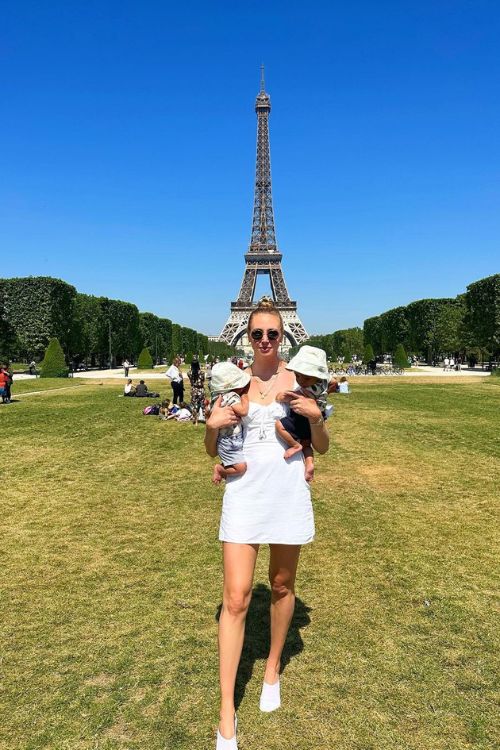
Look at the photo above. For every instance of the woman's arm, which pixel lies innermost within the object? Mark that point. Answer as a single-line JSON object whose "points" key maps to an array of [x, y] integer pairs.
{"points": [[309, 408], [220, 416]]}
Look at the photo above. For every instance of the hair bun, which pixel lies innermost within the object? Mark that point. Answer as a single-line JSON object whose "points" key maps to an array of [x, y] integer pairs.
{"points": [[266, 303]]}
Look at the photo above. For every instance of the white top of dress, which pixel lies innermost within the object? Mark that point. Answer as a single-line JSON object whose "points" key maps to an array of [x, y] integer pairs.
{"points": [[271, 502]]}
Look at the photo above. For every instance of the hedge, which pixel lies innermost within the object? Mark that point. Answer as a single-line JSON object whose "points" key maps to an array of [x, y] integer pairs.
{"points": [[37, 309]]}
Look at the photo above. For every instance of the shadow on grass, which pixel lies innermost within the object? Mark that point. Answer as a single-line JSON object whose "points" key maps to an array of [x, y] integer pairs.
{"points": [[257, 636]]}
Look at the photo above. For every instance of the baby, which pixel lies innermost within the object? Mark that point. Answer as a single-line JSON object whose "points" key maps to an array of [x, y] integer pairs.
{"points": [[232, 384], [311, 373]]}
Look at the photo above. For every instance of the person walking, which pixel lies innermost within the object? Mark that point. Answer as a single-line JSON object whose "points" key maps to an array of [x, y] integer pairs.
{"points": [[126, 367], [175, 376], [269, 504]]}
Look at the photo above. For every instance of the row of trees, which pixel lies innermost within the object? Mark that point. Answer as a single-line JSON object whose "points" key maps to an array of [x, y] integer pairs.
{"points": [[345, 343], [96, 330], [468, 324]]}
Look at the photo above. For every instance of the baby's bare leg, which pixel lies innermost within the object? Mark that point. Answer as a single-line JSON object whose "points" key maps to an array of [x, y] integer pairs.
{"points": [[222, 472], [295, 446], [308, 460]]}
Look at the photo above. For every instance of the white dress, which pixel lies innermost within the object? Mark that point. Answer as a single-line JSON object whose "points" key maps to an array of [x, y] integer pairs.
{"points": [[271, 502]]}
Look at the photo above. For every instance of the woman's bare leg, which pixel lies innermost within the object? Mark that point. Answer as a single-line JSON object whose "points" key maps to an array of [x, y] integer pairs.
{"points": [[282, 571], [239, 566]]}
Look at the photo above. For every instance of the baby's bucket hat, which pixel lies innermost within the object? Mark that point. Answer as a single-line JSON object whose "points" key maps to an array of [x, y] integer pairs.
{"points": [[310, 360], [227, 377]]}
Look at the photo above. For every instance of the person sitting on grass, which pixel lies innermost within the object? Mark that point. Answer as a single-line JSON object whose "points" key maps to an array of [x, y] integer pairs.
{"points": [[141, 391], [129, 389], [229, 387], [311, 373], [343, 385], [164, 409], [182, 414]]}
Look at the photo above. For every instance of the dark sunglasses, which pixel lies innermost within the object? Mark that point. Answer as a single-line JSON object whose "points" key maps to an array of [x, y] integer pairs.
{"points": [[272, 334]]}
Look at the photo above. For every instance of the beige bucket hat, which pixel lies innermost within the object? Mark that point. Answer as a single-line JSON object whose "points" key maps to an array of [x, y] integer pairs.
{"points": [[227, 377], [310, 360]]}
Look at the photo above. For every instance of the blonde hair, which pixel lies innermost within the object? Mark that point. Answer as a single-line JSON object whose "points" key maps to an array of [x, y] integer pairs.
{"points": [[265, 305]]}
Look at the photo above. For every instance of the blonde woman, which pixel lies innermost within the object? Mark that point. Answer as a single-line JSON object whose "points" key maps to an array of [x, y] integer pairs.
{"points": [[269, 504], [174, 374]]}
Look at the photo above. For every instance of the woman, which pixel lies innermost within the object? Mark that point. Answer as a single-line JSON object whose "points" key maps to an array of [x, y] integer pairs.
{"points": [[175, 375], [129, 389], [270, 504], [197, 395]]}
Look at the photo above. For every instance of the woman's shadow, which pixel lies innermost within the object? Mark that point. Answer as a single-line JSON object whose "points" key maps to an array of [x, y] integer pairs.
{"points": [[257, 636]]}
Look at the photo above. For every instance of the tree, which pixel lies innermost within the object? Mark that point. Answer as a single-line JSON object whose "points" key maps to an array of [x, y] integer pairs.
{"points": [[7, 335], [88, 330], [372, 333], [423, 317], [400, 358], [145, 361], [482, 317], [347, 341], [176, 339], [54, 364], [449, 328], [395, 328]]}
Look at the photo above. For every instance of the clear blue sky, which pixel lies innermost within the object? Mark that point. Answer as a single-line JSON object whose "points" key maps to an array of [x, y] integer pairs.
{"points": [[127, 135]]}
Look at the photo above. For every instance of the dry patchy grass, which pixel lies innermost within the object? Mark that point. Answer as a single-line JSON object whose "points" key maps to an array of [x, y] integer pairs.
{"points": [[111, 579]]}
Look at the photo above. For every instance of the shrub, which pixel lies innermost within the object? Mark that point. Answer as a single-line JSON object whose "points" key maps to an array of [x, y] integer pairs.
{"points": [[368, 353], [400, 358], [54, 363], [145, 361]]}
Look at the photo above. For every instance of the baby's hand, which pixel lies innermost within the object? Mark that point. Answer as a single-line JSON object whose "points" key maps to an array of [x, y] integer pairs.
{"points": [[285, 395]]}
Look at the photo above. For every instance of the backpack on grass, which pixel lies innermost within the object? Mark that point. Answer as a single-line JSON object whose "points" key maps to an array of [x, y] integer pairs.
{"points": [[153, 410]]}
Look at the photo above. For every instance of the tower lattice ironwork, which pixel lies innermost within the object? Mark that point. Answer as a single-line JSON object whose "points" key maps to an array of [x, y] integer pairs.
{"points": [[263, 256]]}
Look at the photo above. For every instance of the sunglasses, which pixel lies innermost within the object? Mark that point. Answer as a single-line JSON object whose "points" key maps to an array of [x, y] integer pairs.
{"points": [[258, 333]]}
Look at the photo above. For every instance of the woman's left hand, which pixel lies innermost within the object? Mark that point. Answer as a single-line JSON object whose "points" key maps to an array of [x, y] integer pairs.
{"points": [[306, 407]]}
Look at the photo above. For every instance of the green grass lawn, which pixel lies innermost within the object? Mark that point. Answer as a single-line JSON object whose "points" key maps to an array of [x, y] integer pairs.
{"points": [[44, 384], [111, 578]]}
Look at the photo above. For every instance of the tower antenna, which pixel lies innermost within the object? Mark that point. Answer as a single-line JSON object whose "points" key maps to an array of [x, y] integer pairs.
{"points": [[262, 86]]}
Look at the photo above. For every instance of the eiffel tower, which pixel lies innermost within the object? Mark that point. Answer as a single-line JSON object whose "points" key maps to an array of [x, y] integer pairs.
{"points": [[263, 256]]}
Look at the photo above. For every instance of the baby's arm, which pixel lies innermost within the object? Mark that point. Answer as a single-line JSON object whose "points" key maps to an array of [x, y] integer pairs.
{"points": [[288, 395], [241, 409]]}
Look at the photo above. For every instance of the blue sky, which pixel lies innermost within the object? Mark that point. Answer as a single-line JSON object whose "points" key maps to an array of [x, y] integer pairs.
{"points": [[127, 134]]}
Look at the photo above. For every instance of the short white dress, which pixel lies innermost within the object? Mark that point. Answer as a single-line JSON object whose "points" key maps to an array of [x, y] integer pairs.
{"points": [[271, 502]]}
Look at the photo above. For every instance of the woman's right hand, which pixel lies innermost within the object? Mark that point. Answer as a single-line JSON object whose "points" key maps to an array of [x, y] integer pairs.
{"points": [[221, 416]]}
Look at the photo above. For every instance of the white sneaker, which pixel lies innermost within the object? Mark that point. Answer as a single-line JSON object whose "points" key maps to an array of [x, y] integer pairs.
{"points": [[270, 698], [225, 744]]}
